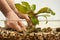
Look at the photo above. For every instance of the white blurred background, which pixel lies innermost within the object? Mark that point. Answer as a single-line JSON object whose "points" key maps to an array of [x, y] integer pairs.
{"points": [[54, 21]]}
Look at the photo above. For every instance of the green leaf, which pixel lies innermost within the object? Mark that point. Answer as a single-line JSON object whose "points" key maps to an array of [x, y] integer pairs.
{"points": [[33, 7], [43, 10], [26, 4], [34, 19], [46, 10], [52, 13], [46, 19], [21, 8]]}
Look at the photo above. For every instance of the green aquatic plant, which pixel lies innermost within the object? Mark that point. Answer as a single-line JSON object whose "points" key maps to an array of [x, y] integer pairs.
{"points": [[26, 8]]}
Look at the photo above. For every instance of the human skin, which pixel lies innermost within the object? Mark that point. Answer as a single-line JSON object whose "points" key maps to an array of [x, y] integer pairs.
{"points": [[13, 21], [21, 15]]}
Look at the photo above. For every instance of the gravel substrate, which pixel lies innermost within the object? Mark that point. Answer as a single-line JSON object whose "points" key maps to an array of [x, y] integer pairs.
{"points": [[14, 35]]}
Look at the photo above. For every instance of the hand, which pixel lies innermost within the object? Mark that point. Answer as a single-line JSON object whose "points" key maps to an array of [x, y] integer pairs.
{"points": [[25, 16], [14, 22]]}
